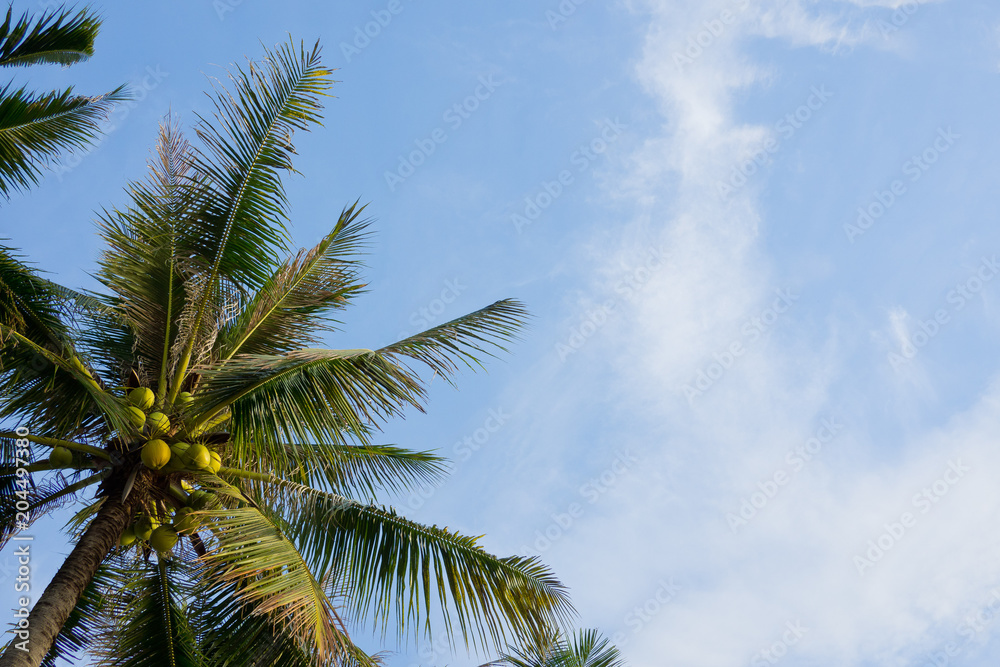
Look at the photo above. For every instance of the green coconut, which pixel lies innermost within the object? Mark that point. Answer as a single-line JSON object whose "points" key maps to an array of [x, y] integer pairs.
{"points": [[184, 397], [60, 457], [215, 465], [142, 398], [128, 537], [184, 522], [158, 424], [200, 499], [155, 454], [137, 416], [144, 526], [163, 539], [198, 457]]}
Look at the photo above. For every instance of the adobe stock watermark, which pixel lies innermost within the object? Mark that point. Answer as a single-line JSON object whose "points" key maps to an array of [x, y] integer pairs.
{"points": [[751, 331], [711, 30], [591, 492], [900, 17], [562, 12], [971, 625], [640, 616], [22, 547], [773, 654], [463, 450], [582, 158], [914, 168], [364, 34], [426, 316], [957, 298], [786, 127], [454, 116], [796, 459], [923, 502], [633, 281], [223, 7], [140, 87]]}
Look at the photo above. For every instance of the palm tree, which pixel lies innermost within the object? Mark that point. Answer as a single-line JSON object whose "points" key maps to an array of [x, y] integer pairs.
{"points": [[36, 127], [586, 648], [190, 393]]}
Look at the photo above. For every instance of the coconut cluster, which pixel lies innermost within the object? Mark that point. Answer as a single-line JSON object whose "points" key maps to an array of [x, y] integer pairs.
{"points": [[161, 532], [160, 455]]}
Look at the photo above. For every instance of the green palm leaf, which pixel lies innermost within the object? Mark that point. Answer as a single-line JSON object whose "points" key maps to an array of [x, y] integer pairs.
{"points": [[34, 128], [63, 37], [445, 346], [287, 313], [271, 576], [302, 396], [242, 224], [234, 636], [85, 622], [390, 568], [148, 623], [585, 648]]}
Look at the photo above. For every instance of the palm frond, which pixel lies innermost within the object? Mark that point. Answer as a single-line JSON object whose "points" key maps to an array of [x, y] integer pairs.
{"points": [[445, 346], [26, 302], [390, 568], [241, 228], [233, 635], [35, 128], [270, 575], [288, 312], [302, 396], [585, 648], [41, 500], [149, 624], [144, 264], [86, 621], [353, 470], [63, 37]]}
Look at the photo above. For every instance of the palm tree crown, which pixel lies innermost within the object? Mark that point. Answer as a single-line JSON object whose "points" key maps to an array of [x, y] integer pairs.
{"points": [[232, 458]]}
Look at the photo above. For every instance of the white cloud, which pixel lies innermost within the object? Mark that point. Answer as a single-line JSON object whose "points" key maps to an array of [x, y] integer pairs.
{"points": [[795, 560]]}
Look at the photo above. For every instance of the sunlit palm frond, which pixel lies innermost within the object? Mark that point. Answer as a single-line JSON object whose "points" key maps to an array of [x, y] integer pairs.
{"points": [[365, 469], [252, 552], [391, 568]]}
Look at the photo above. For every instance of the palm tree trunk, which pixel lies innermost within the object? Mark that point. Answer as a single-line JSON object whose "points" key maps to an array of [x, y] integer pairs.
{"points": [[60, 597]]}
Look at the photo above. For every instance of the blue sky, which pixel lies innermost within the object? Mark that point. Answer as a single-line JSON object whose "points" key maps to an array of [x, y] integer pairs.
{"points": [[754, 419]]}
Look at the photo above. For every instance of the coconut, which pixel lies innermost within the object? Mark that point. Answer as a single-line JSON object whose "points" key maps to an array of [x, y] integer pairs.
{"points": [[184, 522], [60, 457], [184, 397], [136, 416], [216, 464], [128, 537], [158, 423], [199, 499], [198, 457], [142, 398], [155, 454], [163, 539], [144, 527]]}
